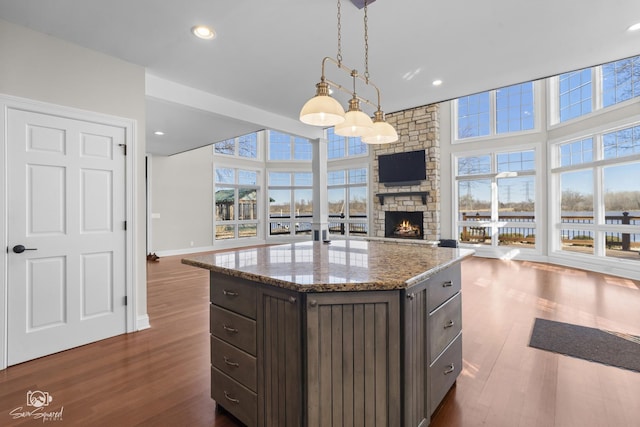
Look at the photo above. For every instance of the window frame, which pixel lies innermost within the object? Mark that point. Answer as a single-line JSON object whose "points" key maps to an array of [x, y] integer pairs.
{"points": [[493, 133], [494, 224], [599, 226], [236, 186]]}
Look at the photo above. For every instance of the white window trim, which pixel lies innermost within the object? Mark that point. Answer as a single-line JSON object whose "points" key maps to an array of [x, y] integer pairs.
{"points": [[493, 135], [494, 224]]}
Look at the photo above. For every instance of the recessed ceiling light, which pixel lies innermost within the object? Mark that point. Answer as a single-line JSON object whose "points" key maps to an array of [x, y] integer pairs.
{"points": [[437, 82], [203, 32], [158, 132], [634, 27]]}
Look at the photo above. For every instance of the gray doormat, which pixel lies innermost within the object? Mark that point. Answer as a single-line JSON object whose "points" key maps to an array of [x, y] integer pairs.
{"points": [[596, 345]]}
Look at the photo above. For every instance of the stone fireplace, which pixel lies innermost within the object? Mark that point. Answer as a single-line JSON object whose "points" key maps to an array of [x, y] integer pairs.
{"points": [[403, 225], [418, 129]]}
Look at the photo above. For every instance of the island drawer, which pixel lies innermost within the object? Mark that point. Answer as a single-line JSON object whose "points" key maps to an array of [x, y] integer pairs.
{"points": [[234, 397], [442, 286], [233, 328], [233, 293], [444, 325], [234, 362], [444, 372]]}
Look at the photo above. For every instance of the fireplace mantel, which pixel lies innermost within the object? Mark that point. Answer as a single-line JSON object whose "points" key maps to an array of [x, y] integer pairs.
{"points": [[422, 194]]}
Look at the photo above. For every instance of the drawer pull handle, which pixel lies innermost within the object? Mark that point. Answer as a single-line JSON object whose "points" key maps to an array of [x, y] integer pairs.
{"points": [[230, 363], [449, 369], [230, 293], [410, 296], [231, 399], [230, 329], [449, 324], [447, 284]]}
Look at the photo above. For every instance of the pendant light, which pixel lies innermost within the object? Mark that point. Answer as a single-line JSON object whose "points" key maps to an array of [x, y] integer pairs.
{"points": [[356, 123], [323, 110]]}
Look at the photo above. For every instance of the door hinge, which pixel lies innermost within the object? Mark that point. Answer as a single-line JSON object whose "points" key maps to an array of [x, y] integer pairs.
{"points": [[124, 147], [125, 225], [125, 300]]}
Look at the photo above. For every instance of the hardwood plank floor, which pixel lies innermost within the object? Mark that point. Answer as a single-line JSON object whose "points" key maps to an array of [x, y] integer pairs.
{"points": [[160, 376]]}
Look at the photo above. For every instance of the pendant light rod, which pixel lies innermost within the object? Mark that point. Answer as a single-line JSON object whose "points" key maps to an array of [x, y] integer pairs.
{"points": [[351, 72], [323, 110]]}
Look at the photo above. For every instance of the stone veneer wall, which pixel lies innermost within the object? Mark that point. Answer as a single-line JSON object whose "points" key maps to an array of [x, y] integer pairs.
{"points": [[418, 128]]}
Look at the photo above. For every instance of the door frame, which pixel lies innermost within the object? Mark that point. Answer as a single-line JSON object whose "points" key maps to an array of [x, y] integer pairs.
{"points": [[8, 102]]}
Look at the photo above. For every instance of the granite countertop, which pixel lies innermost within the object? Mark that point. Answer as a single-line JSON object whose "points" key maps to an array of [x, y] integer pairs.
{"points": [[342, 265]]}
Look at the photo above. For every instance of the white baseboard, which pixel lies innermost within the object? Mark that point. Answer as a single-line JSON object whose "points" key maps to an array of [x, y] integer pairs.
{"points": [[143, 322]]}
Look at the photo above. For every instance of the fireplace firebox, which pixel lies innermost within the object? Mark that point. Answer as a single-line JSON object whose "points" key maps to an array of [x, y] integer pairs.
{"points": [[403, 225]]}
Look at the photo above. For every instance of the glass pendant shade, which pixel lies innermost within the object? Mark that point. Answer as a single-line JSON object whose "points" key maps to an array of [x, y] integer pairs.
{"points": [[322, 110], [356, 123], [383, 132]]}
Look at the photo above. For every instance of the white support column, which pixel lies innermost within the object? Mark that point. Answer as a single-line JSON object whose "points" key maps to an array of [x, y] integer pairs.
{"points": [[320, 224]]}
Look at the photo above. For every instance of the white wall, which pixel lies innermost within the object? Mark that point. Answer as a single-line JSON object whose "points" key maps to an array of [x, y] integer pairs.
{"points": [[182, 201], [42, 68]]}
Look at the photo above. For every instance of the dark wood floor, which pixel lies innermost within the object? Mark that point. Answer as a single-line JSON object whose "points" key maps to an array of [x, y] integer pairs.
{"points": [[160, 376]]}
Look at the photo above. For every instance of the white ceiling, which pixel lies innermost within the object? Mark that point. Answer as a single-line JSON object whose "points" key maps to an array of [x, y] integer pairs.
{"points": [[266, 58]]}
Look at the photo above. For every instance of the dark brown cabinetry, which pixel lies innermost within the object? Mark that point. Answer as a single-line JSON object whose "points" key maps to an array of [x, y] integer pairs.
{"points": [[375, 358]]}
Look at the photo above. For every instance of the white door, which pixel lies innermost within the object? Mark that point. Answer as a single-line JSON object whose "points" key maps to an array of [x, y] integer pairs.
{"points": [[66, 193]]}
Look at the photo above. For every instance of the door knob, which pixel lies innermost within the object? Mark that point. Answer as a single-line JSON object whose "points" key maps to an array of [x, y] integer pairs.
{"points": [[20, 248]]}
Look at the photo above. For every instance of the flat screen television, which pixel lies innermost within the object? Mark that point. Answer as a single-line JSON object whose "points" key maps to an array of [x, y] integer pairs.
{"points": [[407, 168]]}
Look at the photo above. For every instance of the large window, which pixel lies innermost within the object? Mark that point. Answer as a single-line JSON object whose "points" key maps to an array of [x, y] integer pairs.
{"points": [[283, 146], [506, 110], [290, 203], [341, 147], [585, 91], [575, 94], [347, 195], [496, 199], [598, 181], [236, 203], [245, 146], [620, 81]]}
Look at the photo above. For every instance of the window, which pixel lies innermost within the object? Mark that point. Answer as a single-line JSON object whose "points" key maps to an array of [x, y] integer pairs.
{"points": [[236, 203], [575, 94], [585, 91], [514, 108], [506, 110], [577, 152], [496, 199], [474, 116], [283, 146], [243, 146], [625, 142], [341, 146], [290, 203], [620, 81], [599, 194], [348, 196]]}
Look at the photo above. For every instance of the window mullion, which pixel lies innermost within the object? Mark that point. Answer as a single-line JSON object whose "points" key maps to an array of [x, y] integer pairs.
{"points": [[596, 88]]}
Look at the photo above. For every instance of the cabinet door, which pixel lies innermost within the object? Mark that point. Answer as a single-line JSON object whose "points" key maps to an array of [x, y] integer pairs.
{"points": [[353, 351], [414, 368], [279, 358]]}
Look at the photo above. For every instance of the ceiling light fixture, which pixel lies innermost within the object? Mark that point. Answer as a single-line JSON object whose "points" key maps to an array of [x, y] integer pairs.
{"points": [[323, 110], [158, 132], [634, 27], [203, 32], [437, 82]]}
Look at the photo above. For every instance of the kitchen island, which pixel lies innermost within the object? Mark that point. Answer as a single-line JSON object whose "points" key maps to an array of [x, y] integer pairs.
{"points": [[349, 332]]}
